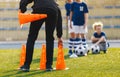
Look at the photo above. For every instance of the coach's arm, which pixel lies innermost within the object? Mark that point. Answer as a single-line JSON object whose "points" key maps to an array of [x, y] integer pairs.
{"points": [[23, 5]]}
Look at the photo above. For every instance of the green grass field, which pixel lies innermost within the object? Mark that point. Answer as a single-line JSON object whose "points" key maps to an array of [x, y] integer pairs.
{"points": [[100, 65]]}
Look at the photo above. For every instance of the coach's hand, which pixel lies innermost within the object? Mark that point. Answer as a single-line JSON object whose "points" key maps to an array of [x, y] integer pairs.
{"points": [[23, 10], [60, 41]]}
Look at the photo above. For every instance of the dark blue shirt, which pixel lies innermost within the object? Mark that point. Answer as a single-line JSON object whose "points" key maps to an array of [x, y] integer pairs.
{"points": [[96, 35], [79, 9], [68, 8]]}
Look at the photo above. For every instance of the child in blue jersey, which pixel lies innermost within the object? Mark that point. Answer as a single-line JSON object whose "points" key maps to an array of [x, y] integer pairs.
{"points": [[79, 16], [70, 30], [99, 37]]}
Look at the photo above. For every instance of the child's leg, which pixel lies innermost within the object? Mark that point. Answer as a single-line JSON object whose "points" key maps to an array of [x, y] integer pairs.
{"points": [[77, 41], [107, 44], [102, 43], [71, 39], [83, 39], [103, 47], [83, 34], [71, 43]]}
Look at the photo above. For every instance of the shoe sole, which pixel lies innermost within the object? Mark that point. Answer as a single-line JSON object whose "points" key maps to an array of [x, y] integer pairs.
{"points": [[24, 70]]}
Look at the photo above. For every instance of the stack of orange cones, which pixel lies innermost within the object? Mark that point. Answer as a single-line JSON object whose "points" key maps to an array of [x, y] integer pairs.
{"points": [[22, 55], [43, 58], [25, 18], [60, 65]]}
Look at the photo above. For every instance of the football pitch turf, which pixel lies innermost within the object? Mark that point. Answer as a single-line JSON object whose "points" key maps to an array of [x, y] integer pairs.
{"points": [[97, 65]]}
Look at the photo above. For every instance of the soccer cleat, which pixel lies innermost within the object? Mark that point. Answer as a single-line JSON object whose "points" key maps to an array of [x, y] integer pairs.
{"points": [[85, 54], [73, 56], [24, 68]]}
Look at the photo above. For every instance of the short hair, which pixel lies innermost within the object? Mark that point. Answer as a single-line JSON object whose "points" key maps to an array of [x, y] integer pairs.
{"points": [[97, 24]]}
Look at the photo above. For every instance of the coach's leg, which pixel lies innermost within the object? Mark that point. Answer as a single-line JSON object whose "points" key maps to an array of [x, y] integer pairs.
{"points": [[49, 28], [32, 36]]}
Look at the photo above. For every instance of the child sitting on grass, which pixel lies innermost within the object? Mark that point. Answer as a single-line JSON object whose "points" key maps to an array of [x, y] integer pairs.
{"points": [[99, 37]]}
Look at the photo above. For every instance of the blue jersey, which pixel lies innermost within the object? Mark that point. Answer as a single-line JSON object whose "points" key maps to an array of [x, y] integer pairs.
{"points": [[68, 8], [79, 9], [96, 35]]}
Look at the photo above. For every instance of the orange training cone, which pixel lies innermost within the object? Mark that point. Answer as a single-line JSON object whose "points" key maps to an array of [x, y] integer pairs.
{"points": [[43, 58], [60, 65], [23, 55], [25, 18]]}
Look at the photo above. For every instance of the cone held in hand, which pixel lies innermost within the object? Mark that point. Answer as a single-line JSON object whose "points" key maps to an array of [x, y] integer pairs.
{"points": [[25, 18], [43, 58], [22, 55]]}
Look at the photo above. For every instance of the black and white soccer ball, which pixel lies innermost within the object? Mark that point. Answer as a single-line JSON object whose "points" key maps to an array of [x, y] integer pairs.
{"points": [[95, 49], [80, 51]]}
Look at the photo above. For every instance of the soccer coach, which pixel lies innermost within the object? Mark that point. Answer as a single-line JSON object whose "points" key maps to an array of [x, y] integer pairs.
{"points": [[53, 20]]}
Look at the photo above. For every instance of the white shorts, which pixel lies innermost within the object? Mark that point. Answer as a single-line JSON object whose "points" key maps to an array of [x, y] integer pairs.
{"points": [[79, 29], [70, 30]]}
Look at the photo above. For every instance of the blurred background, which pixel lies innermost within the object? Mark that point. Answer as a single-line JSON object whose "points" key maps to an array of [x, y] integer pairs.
{"points": [[107, 11]]}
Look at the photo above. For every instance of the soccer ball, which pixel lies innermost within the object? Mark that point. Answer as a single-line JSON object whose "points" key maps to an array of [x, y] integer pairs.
{"points": [[80, 51], [95, 49]]}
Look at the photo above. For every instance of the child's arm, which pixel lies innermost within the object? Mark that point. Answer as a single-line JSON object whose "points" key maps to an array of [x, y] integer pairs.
{"points": [[102, 39], [71, 13], [98, 40], [67, 17], [86, 20], [94, 40]]}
